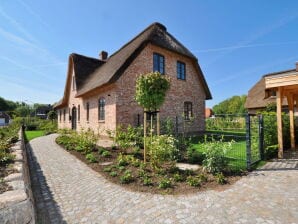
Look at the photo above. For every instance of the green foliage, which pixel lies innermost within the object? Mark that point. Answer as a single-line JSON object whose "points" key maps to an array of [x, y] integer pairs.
{"points": [[193, 181], [271, 152], [8, 135], [151, 90], [52, 115], [107, 169], [129, 137], [121, 160], [270, 129], [106, 153], [165, 183], [91, 158], [147, 181], [113, 174], [178, 177], [230, 123], [220, 178], [233, 105], [167, 126], [85, 141], [194, 156], [214, 151], [127, 177], [161, 149]]}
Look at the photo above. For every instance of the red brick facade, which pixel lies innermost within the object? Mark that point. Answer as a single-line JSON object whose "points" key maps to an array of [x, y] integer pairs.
{"points": [[120, 106]]}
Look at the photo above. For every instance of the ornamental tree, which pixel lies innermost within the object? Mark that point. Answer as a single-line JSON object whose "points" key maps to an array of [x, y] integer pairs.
{"points": [[151, 91]]}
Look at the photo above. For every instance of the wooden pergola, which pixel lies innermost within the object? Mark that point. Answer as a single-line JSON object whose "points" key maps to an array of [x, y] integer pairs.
{"points": [[285, 85]]}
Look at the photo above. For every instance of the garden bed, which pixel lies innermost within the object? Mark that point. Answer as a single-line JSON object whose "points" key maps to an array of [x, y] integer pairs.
{"points": [[125, 168]]}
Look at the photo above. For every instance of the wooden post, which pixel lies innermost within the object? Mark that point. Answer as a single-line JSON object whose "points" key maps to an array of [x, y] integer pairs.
{"points": [[279, 121], [145, 128], [292, 125], [157, 124]]}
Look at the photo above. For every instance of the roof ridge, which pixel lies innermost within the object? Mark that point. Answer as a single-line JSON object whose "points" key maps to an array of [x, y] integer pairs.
{"points": [[84, 56], [155, 24], [275, 73]]}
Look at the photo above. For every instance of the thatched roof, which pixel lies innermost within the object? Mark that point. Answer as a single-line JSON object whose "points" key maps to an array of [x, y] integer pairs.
{"points": [[256, 96], [99, 73]]}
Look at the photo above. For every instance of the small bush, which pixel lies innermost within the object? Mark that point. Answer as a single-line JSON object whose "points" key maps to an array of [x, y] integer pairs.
{"points": [[113, 174], [220, 178], [91, 158], [202, 177], [121, 160], [121, 168], [107, 169], [106, 153], [193, 181], [215, 151], [271, 152], [194, 156], [129, 137], [165, 183], [147, 181], [127, 177], [178, 177], [161, 148]]}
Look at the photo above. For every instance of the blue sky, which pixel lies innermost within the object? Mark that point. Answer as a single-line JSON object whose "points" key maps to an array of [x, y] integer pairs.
{"points": [[236, 42]]}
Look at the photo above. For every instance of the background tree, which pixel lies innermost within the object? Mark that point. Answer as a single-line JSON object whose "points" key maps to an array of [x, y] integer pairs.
{"points": [[233, 105], [52, 115]]}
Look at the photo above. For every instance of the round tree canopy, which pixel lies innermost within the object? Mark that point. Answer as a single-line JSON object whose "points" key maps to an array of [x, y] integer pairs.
{"points": [[151, 90]]}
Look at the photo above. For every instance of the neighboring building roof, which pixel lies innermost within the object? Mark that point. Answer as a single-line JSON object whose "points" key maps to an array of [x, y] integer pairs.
{"points": [[4, 115], [282, 73], [256, 96], [208, 112], [107, 72]]}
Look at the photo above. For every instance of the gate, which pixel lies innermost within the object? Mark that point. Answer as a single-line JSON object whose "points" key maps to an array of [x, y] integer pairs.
{"points": [[254, 139]]}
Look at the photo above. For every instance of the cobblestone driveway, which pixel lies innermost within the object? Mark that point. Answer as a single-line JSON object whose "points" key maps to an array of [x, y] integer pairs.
{"points": [[67, 191]]}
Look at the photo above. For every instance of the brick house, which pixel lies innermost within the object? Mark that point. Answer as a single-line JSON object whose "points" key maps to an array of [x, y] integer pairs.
{"points": [[99, 93]]}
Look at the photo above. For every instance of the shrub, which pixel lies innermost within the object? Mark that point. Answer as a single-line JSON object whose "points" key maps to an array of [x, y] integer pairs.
{"points": [[121, 160], [113, 174], [220, 178], [194, 156], [178, 177], [85, 141], [165, 183], [193, 181], [161, 149], [202, 177], [271, 152], [214, 151], [106, 153], [147, 181], [129, 137], [107, 169], [127, 177], [91, 158]]}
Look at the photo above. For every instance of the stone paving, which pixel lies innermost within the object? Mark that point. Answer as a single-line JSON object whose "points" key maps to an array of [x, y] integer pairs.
{"points": [[70, 192]]}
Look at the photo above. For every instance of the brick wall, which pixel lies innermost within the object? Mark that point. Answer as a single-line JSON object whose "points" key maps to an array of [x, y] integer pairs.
{"points": [[180, 91]]}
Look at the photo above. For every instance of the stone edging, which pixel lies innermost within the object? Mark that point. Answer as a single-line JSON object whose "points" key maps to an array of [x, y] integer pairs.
{"points": [[16, 206]]}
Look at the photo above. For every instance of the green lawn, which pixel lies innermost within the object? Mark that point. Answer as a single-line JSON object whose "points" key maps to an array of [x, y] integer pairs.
{"points": [[29, 135]]}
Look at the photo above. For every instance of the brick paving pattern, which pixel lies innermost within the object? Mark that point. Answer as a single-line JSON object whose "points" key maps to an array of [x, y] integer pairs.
{"points": [[68, 191]]}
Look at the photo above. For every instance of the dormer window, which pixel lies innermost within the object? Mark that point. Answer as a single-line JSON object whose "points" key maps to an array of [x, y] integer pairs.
{"points": [[158, 63]]}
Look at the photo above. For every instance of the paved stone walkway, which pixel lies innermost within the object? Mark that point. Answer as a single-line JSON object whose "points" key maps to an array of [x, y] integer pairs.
{"points": [[70, 192]]}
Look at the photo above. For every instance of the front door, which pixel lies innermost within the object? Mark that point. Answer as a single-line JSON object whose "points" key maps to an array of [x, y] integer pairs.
{"points": [[74, 118]]}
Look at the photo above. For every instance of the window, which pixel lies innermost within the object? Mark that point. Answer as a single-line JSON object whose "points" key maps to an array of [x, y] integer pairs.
{"points": [[187, 110], [60, 115], [101, 109], [69, 114], [64, 112], [79, 112], [87, 109], [73, 83], [180, 70], [158, 63]]}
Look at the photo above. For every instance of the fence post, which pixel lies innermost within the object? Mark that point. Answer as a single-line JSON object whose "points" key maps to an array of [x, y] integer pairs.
{"points": [[248, 142], [261, 136]]}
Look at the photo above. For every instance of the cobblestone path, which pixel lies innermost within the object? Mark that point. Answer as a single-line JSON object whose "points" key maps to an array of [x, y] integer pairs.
{"points": [[67, 191]]}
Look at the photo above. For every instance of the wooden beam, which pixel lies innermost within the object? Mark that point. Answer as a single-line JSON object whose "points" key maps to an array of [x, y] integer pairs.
{"points": [[279, 96], [292, 125]]}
